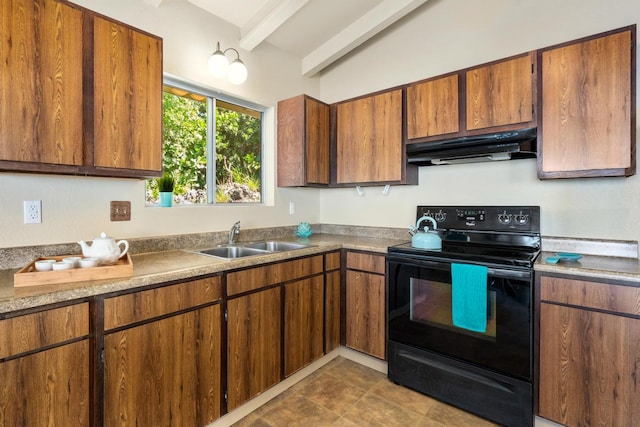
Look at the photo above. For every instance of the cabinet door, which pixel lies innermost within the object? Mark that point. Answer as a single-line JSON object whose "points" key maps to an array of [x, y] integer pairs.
{"points": [[369, 145], [588, 367], [166, 372], [365, 313], [40, 83], [303, 142], [127, 105], [433, 108], [501, 93], [303, 323], [588, 120], [254, 340], [332, 311]]}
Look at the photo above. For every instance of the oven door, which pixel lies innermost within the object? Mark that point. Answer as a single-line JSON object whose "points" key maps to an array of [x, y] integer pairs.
{"points": [[419, 315]]}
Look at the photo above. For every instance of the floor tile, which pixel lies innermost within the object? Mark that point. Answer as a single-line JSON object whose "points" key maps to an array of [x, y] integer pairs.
{"points": [[299, 411], [355, 374], [372, 411], [403, 396], [332, 393], [451, 416], [252, 420]]}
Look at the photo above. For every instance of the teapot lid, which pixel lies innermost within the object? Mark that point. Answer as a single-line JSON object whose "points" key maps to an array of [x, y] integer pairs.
{"points": [[103, 235]]}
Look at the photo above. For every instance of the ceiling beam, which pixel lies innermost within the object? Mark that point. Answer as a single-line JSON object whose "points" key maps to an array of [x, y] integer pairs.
{"points": [[155, 3], [270, 23], [361, 30]]}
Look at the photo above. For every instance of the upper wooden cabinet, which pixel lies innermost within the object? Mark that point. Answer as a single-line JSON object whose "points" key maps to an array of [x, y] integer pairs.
{"points": [[303, 142], [79, 93], [127, 127], [368, 141], [501, 94], [587, 98], [497, 96], [40, 83]]}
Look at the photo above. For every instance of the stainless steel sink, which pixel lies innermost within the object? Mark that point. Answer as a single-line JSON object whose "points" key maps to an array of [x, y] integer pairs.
{"points": [[275, 246], [232, 251], [242, 250]]}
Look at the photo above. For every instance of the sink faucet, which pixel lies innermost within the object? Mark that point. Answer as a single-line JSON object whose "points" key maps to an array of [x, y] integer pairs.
{"points": [[233, 232]]}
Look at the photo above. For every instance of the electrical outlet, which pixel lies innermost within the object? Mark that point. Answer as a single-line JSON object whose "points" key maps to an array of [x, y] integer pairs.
{"points": [[120, 211], [32, 211], [292, 208]]}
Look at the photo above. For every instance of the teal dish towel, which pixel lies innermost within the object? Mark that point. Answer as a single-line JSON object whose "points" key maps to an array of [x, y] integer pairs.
{"points": [[469, 296]]}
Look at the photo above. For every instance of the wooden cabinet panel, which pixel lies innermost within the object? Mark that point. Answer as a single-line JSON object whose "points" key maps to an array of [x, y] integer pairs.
{"points": [[138, 306], [127, 104], [369, 145], [303, 323], [366, 262], [254, 341], [588, 108], [303, 142], [365, 313], [259, 277], [588, 367], [500, 93], [31, 331], [433, 108], [602, 296], [166, 372], [332, 261], [41, 82], [49, 388], [332, 310]]}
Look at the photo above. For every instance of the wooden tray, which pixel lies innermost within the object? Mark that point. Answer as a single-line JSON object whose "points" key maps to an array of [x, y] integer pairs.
{"points": [[28, 276]]}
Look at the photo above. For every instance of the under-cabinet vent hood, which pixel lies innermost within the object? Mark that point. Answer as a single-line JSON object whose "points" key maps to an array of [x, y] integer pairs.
{"points": [[520, 144]]}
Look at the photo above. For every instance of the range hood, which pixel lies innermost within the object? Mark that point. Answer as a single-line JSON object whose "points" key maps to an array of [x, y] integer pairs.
{"points": [[519, 144]]}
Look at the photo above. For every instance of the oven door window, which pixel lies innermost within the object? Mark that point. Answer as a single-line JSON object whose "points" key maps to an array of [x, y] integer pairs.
{"points": [[430, 304], [419, 315]]}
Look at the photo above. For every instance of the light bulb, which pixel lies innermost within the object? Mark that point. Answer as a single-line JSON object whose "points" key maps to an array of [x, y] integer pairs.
{"points": [[218, 64], [237, 72]]}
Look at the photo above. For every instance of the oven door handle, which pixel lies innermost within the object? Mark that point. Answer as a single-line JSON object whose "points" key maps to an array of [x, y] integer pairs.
{"points": [[509, 274], [500, 273]]}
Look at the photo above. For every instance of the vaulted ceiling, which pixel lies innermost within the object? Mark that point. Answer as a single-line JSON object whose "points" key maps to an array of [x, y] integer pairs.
{"points": [[317, 31]]}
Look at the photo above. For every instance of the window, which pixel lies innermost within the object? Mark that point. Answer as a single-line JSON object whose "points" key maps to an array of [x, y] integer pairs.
{"points": [[212, 146]]}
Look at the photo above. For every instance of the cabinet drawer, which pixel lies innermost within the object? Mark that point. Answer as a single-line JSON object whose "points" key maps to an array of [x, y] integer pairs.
{"points": [[259, 277], [32, 331], [332, 261], [602, 296], [366, 262], [138, 306]]}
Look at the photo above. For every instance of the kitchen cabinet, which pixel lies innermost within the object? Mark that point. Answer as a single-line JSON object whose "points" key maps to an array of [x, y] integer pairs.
{"points": [[587, 98], [79, 93], [162, 355], [127, 128], [45, 368], [589, 335], [365, 303], [303, 142], [497, 96], [41, 85], [332, 334], [368, 141], [255, 343]]}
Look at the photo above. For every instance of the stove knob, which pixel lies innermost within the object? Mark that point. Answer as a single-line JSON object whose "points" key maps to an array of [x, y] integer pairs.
{"points": [[504, 218], [440, 216], [522, 219]]}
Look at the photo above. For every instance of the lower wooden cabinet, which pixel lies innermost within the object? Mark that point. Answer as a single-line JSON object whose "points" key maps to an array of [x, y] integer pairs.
{"points": [[253, 344], [365, 303], [44, 368], [589, 353], [167, 370], [332, 301]]}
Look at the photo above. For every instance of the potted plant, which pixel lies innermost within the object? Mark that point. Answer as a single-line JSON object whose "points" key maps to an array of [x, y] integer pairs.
{"points": [[165, 186]]}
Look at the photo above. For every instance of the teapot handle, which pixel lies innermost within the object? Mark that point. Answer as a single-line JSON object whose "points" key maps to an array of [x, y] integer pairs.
{"points": [[126, 247], [433, 222]]}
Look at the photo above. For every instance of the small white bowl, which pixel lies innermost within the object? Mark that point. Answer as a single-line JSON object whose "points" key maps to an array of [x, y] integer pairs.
{"points": [[88, 262], [44, 264], [75, 260], [61, 265]]}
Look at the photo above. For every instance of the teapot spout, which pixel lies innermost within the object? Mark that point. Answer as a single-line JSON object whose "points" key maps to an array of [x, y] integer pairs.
{"points": [[85, 247]]}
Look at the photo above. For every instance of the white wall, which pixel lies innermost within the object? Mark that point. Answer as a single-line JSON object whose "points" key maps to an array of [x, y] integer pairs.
{"points": [[75, 208], [444, 36]]}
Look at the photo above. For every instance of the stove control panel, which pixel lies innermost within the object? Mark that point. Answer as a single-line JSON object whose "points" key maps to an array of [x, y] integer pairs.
{"points": [[484, 218]]}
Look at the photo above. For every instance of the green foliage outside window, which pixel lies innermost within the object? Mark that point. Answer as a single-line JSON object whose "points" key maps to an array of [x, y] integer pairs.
{"points": [[238, 151]]}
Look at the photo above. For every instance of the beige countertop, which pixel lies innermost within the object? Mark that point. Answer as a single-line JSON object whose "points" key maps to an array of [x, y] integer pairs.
{"points": [[593, 266], [158, 267]]}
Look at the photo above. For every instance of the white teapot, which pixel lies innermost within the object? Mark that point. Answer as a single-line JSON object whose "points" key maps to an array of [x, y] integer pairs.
{"points": [[105, 248]]}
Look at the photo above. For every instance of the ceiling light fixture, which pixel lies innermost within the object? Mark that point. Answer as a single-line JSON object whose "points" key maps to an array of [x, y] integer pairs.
{"points": [[219, 66]]}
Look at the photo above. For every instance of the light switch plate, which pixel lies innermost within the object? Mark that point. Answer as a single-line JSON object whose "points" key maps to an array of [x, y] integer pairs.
{"points": [[120, 210]]}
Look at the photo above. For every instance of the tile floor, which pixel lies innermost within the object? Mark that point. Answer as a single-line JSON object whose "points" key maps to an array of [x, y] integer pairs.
{"points": [[345, 393]]}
